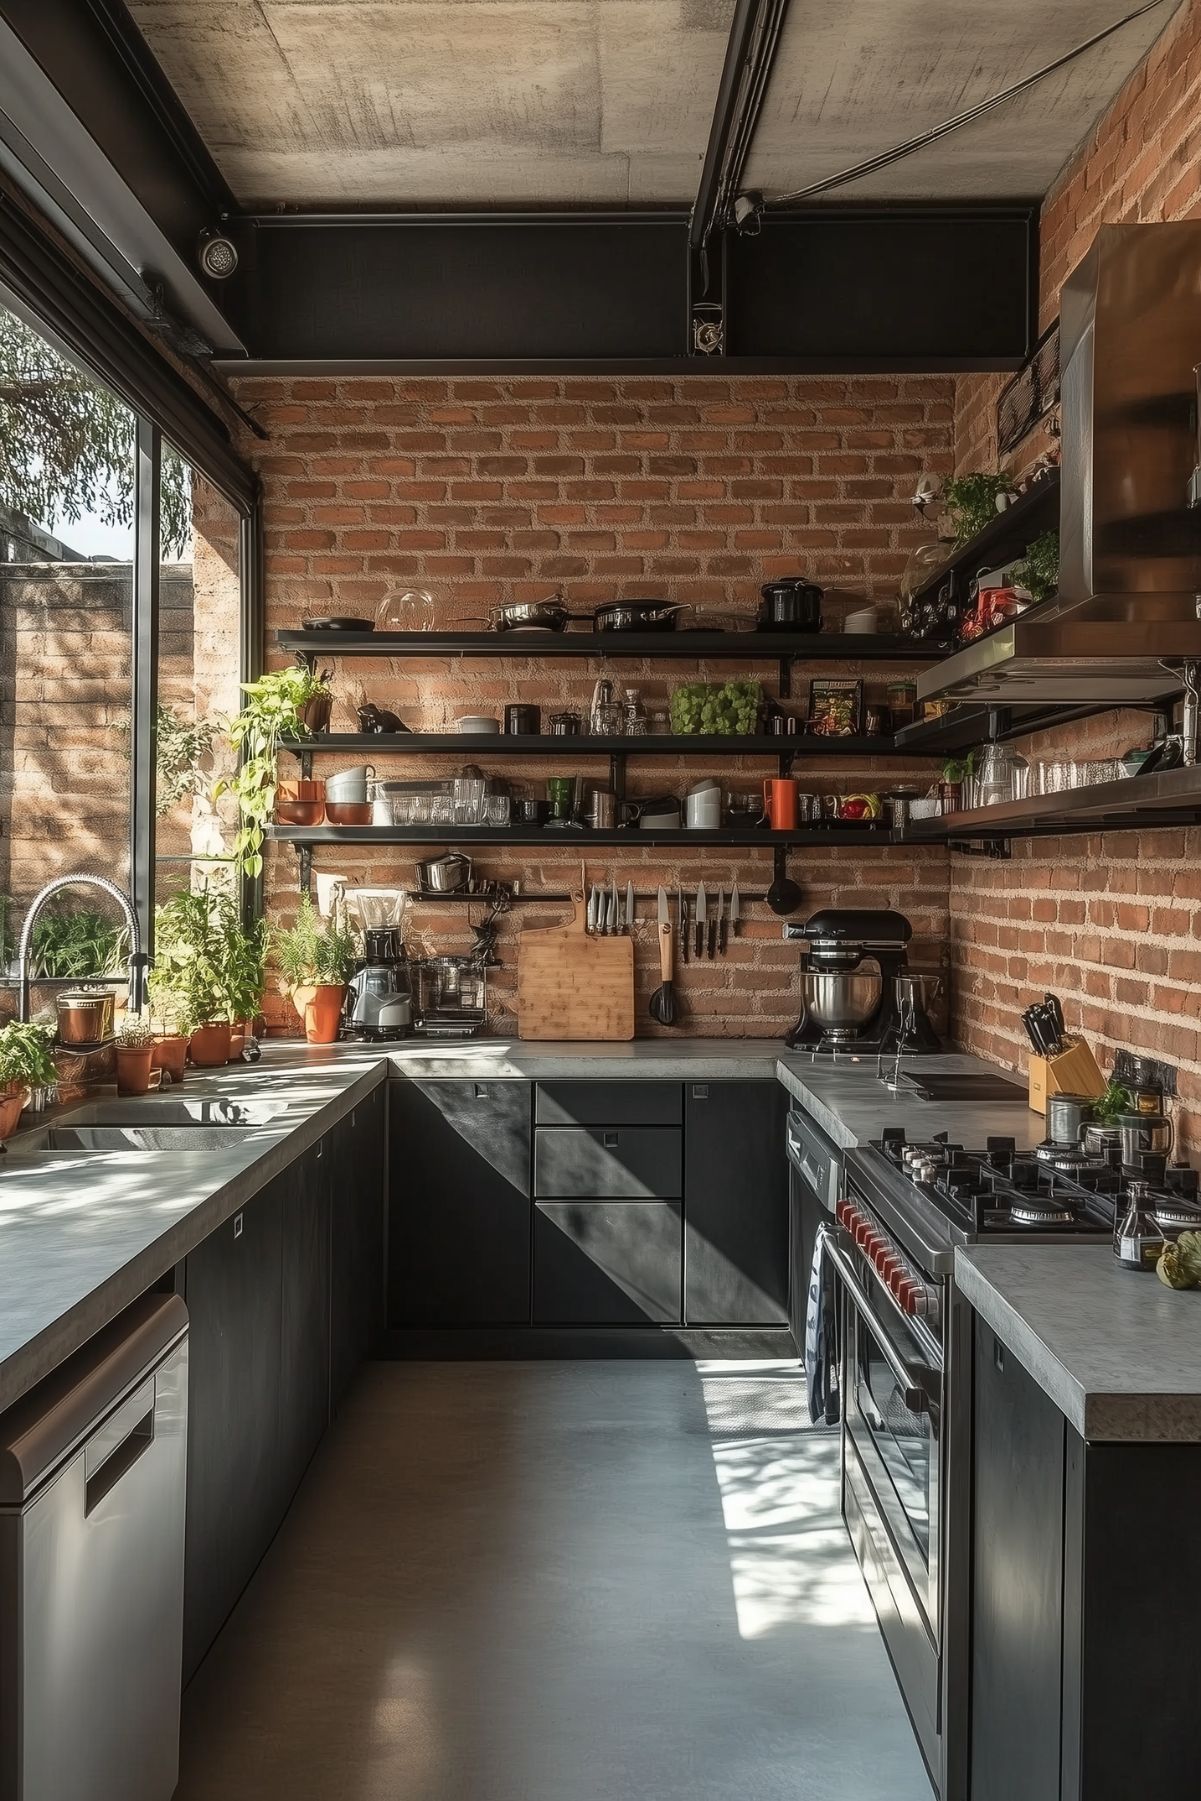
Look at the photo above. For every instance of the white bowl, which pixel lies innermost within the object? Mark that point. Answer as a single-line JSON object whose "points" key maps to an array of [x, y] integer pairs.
{"points": [[479, 725]]}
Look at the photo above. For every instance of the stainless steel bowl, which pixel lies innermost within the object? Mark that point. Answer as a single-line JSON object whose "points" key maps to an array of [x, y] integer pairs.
{"points": [[841, 1002]]}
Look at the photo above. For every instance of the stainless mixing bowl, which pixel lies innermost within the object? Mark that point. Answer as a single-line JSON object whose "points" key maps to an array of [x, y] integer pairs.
{"points": [[843, 1001]]}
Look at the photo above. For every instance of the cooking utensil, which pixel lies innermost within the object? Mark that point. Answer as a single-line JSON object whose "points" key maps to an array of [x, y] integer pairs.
{"points": [[341, 622], [530, 615], [1145, 1134], [733, 912], [699, 943], [784, 896], [791, 604], [590, 919], [723, 924], [637, 616], [663, 1001], [683, 920], [629, 906], [714, 924], [572, 986], [1065, 1116]]}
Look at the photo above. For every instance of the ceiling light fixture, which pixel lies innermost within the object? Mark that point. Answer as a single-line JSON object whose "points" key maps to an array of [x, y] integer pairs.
{"points": [[217, 256]]}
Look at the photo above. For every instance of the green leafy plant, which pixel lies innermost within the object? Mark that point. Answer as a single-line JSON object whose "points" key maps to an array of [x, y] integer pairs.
{"points": [[313, 951], [26, 1060], [971, 501], [1039, 568], [77, 944], [272, 714], [208, 967], [180, 745], [724, 709], [134, 1034], [67, 445], [959, 769], [1112, 1104]]}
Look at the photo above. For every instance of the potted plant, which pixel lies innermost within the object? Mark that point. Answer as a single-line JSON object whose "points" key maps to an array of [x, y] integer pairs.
{"points": [[284, 704], [243, 971], [973, 500], [315, 961], [26, 1065], [189, 966], [955, 772], [135, 1056]]}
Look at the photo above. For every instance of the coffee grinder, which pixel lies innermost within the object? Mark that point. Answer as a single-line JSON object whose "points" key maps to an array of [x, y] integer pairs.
{"points": [[379, 997], [851, 958]]}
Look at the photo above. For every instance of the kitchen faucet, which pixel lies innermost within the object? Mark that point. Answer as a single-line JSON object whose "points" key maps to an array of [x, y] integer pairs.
{"points": [[137, 960]]}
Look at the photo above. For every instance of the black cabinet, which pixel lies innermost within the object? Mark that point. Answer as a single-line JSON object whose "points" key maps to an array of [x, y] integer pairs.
{"points": [[304, 1319], [735, 1204], [232, 1286], [638, 1162], [459, 1203], [607, 1263], [1017, 1581], [356, 1177]]}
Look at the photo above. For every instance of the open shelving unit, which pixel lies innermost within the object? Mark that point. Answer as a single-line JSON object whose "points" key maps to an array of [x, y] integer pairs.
{"points": [[1163, 798], [676, 646], [1003, 538]]}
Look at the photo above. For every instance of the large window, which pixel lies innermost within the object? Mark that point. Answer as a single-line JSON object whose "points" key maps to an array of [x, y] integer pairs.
{"points": [[110, 543]]}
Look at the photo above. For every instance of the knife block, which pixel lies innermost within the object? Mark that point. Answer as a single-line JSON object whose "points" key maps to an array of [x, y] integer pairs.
{"points": [[1073, 1071]]}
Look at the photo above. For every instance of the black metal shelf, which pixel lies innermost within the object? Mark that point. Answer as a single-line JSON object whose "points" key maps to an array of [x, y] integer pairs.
{"points": [[548, 744], [843, 647], [578, 837], [1003, 538], [970, 724], [1165, 797]]}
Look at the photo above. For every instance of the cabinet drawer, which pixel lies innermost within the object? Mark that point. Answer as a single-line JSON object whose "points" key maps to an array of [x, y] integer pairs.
{"points": [[607, 1263], [633, 1162], [609, 1104]]}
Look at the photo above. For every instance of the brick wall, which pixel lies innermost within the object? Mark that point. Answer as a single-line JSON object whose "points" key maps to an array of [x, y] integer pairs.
{"points": [[486, 490], [1111, 922]]}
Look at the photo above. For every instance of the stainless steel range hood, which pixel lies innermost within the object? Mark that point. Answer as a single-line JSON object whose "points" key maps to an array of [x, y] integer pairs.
{"points": [[1130, 548]]}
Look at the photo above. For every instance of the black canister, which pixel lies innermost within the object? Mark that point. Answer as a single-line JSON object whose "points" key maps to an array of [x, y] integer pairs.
{"points": [[522, 721]]}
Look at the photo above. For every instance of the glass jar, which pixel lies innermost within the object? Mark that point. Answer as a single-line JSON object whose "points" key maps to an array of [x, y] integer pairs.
{"points": [[635, 714], [605, 719], [1003, 775]]}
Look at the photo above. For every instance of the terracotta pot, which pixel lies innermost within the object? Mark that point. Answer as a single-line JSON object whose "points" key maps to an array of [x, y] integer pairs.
{"points": [[171, 1055], [208, 1046], [12, 1103], [239, 1032], [320, 1007], [134, 1066], [300, 802], [314, 715]]}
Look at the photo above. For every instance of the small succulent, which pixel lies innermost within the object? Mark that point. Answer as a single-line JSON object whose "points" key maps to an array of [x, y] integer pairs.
{"points": [[134, 1035]]}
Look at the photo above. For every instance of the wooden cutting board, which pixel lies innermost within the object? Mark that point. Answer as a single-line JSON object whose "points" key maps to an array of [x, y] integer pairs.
{"points": [[571, 985]]}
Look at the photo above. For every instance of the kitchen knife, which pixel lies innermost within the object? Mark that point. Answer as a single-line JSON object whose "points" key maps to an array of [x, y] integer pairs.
{"points": [[1030, 1033], [723, 924], [733, 912], [699, 941], [1055, 1009], [614, 906], [683, 922], [629, 906], [715, 925], [593, 899], [664, 908]]}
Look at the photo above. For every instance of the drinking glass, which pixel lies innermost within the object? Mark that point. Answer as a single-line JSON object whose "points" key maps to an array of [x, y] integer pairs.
{"points": [[496, 809], [469, 799]]}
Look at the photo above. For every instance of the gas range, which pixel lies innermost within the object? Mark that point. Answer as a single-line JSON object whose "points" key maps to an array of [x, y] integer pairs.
{"points": [[936, 1194]]}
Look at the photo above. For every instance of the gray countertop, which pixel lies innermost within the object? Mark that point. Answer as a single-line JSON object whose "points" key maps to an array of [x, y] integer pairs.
{"points": [[852, 1107], [654, 1059], [1117, 1352]]}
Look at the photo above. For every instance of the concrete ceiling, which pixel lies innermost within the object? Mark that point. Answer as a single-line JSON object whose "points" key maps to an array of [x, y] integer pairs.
{"points": [[495, 103], [851, 81], [462, 103]]}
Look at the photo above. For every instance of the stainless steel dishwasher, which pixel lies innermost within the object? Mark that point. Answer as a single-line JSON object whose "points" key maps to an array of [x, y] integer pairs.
{"points": [[92, 1470]]}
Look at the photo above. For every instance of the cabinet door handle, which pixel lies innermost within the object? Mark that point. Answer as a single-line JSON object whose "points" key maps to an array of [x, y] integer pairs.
{"points": [[237, 1225], [700, 1091], [320, 1148], [611, 1140]]}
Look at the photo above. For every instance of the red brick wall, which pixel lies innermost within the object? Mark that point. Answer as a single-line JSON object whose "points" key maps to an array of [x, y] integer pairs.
{"points": [[1111, 922], [484, 490]]}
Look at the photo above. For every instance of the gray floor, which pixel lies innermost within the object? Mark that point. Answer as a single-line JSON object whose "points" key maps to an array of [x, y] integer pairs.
{"points": [[557, 1582]]}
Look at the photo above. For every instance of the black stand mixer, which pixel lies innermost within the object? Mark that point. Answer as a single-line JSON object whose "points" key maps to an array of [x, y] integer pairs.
{"points": [[851, 961]]}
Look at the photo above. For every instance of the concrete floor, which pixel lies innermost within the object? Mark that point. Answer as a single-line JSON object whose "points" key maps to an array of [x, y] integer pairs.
{"points": [[577, 1581]]}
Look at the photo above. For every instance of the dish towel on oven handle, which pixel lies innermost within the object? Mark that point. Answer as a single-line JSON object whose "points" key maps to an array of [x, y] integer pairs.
{"points": [[821, 1336]]}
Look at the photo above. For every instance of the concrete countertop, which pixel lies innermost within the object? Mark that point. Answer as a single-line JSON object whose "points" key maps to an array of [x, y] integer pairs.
{"points": [[83, 1234], [1117, 1352], [852, 1107], [641, 1059]]}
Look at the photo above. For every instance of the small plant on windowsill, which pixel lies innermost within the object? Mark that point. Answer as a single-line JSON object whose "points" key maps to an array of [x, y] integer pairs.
{"points": [[26, 1066], [135, 1055], [315, 961], [285, 704]]}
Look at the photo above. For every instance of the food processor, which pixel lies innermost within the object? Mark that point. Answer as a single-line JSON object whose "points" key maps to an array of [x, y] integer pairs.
{"points": [[379, 997]]}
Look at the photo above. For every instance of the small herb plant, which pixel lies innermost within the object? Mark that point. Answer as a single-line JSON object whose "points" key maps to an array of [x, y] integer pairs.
{"points": [[134, 1035], [1112, 1104], [959, 769], [26, 1060], [208, 967], [971, 501], [271, 715], [78, 944], [313, 952], [244, 960], [1039, 568]]}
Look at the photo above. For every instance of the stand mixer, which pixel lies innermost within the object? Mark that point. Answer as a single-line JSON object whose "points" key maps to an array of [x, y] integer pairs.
{"points": [[379, 997], [857, 990]]}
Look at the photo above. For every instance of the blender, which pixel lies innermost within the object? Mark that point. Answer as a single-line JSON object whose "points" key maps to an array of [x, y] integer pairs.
{"points": [[379, 997]]}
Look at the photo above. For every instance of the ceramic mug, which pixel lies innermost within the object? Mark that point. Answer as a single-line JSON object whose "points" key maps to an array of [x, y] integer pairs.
{"points": [[780, 794]]}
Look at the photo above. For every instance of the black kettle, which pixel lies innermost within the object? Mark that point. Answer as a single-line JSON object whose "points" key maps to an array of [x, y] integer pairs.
{"points": [[790, 604]]}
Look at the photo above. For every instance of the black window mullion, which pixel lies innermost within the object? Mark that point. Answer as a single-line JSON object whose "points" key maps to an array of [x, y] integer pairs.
{"points": [[146, 564]]}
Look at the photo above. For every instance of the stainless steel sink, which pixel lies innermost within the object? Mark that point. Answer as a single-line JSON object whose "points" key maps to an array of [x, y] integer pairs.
{"points": [[192, 1136], [154, 1111]]}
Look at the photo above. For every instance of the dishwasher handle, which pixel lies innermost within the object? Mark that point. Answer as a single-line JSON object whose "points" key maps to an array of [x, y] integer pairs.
{"points": [[124, 1438]]}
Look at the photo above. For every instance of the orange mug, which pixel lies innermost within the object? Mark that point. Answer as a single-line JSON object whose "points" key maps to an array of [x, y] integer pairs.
{"points": [[780, 802]]}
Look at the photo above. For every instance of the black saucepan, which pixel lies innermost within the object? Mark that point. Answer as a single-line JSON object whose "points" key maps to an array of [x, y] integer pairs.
{"points": [[637, 616], [790, 605]]}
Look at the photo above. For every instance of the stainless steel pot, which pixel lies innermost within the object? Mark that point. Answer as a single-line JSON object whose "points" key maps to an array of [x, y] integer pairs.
{"points": [[85, 1016], [841, 1001], [445, 875], [1065, 1117], [1145, 1134], [1099, 1140], [530, 615]]}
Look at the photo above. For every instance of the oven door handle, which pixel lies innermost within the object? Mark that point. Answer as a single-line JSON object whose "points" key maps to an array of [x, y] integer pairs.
{"points": [[909, 1380]]}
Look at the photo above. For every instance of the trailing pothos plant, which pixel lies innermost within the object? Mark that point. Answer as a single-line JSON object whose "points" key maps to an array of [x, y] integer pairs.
{"points": [[272, 713]]}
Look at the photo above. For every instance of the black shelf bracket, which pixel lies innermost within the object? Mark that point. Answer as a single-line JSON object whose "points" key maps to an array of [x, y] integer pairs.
{"points": [[305, 857], [994, 850]]}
